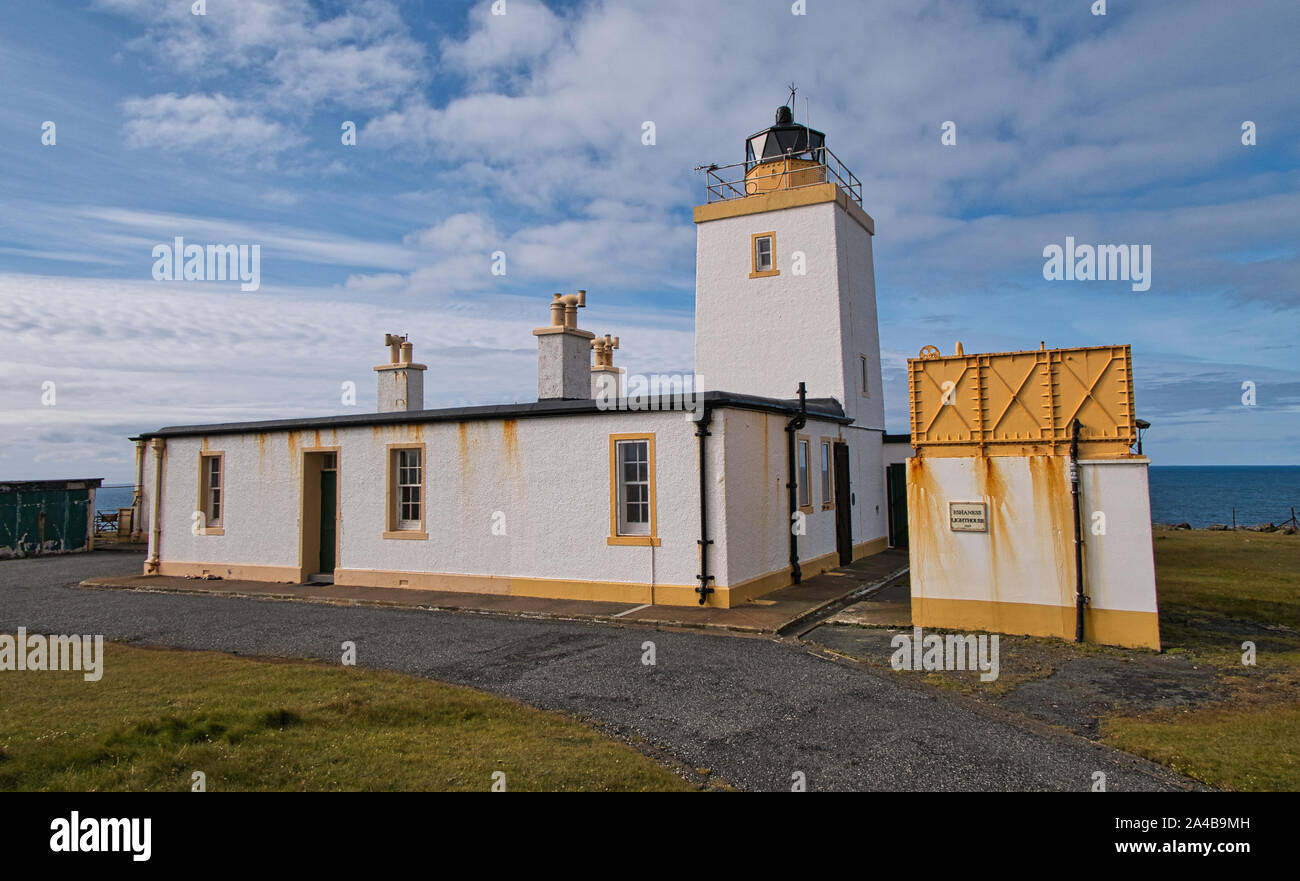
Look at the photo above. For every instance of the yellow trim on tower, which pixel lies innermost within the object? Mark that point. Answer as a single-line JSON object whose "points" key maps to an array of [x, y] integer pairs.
{"points": [[779, 199]]}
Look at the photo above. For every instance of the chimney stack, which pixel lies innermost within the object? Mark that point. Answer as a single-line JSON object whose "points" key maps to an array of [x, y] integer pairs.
{"points": [[564, 352], [401, 382], [606, 379]]}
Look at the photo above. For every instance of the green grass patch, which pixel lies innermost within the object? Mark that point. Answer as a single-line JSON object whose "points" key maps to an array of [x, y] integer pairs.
{"points": [[1216, 591], [1224, 747], [156, 717]]}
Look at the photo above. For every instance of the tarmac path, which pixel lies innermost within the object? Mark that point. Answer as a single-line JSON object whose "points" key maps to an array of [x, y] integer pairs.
{"points": [[754, 711]]}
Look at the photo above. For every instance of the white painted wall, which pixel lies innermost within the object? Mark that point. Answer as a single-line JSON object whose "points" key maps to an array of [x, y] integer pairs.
{"points": [[894, 454], [871, 510], [762, 336], [1119, 565], [1027, 556], [553, 490], [552, 485], [757, 513], [860, 333]]}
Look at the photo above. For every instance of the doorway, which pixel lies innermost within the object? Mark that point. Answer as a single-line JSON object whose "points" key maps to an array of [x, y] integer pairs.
{"points": [[320, 516], [896, 494], [843, 504]]}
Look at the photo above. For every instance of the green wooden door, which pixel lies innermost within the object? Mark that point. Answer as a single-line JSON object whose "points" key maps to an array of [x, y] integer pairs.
{"points": [[328, 508], [896, 486]]}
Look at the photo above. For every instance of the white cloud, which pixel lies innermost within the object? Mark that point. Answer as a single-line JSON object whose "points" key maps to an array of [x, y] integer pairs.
{"points": [[135, 356], [209, 122]]}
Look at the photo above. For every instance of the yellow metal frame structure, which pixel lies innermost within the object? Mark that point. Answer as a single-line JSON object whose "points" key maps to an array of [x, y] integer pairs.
{"points": [[1023, 403]]}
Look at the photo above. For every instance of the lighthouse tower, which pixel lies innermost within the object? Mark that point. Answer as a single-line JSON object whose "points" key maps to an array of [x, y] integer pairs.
{"points": [[785, 291], [785, 287]]}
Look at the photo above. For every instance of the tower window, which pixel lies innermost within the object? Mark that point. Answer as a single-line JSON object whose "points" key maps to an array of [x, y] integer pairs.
{"points": [[862, 371], [763, 255]]}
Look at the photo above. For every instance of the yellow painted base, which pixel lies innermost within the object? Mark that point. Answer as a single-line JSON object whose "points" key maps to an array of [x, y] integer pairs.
{"points": [[1104, 626], [871, 548], [723, 596], [236, 571]]}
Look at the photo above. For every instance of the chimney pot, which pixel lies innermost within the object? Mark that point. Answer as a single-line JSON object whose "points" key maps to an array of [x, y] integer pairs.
{"points": [[564, 352], [401, 382]]}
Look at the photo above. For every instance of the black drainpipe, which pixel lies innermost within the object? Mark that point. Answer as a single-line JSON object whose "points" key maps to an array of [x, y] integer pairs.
{"points": [[1080, 599], [796, 422], [702, 432]]}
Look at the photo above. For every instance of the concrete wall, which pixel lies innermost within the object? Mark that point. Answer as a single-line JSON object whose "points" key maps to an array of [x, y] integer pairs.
{"points": [[1019, 576], [762, 336], [548, 477], [893, 454], [757, 512], [859, 330]]}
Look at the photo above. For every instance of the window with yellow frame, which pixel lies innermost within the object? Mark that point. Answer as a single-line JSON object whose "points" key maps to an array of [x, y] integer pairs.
{"points": [[212, 488], [762, 255], [632, 513]]}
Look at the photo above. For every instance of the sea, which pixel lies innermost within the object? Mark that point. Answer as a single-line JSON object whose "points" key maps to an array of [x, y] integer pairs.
{"points": [[1206, 494], [1195, 494]]}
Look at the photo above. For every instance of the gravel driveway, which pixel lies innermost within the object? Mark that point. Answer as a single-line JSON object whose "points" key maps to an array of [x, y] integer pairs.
{"points": [[752, 711]]}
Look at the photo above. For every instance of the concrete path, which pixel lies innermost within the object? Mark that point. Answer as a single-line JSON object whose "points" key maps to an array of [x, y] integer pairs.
{"points": [[780, 611], [752, 710]]}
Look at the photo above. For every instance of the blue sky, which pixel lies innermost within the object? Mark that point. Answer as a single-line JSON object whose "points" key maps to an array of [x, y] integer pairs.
{"points": [[522, 132]]}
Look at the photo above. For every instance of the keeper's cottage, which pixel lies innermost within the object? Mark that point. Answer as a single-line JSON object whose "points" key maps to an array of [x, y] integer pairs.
{"points": [[592, 491]]}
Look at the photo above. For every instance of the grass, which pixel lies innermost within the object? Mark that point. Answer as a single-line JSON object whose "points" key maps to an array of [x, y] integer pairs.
{"points": [[1216, 585], [1220, 746], [158, 716], [1218, 590]]}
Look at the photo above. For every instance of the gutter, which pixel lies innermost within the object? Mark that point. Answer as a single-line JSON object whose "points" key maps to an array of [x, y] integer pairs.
{"points": [[159, 446], [702, 432], [798, 421], [1080, 598]]}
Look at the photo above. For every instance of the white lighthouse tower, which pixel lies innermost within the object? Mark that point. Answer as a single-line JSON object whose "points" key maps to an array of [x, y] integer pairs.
{"points": [[785, 290]]}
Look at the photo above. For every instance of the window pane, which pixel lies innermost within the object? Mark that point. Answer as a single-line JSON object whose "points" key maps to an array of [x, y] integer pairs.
{"points": [[805, 498], [826, 472], [409, 491], [633, 460]]}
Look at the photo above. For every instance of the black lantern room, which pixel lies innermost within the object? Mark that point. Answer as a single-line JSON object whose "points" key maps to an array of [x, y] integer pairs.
{"points": [[785, 138]]}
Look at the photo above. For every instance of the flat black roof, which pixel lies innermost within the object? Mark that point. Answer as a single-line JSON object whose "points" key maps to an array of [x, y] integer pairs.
{"points": [[820, 408]]}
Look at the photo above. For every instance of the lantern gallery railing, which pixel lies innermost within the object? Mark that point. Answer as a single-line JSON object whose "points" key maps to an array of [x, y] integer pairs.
{"points": [[809, 168]]}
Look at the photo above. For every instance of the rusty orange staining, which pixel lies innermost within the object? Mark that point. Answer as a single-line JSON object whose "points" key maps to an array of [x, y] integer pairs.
{"points": [[510, 437], [317, 443]]}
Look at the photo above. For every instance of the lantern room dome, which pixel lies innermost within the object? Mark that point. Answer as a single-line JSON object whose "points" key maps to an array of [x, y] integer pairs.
{"points": [[785, 138]]}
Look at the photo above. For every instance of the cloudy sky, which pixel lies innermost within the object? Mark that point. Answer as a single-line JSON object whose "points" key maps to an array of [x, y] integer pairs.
{"points": [[522, 133]]}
